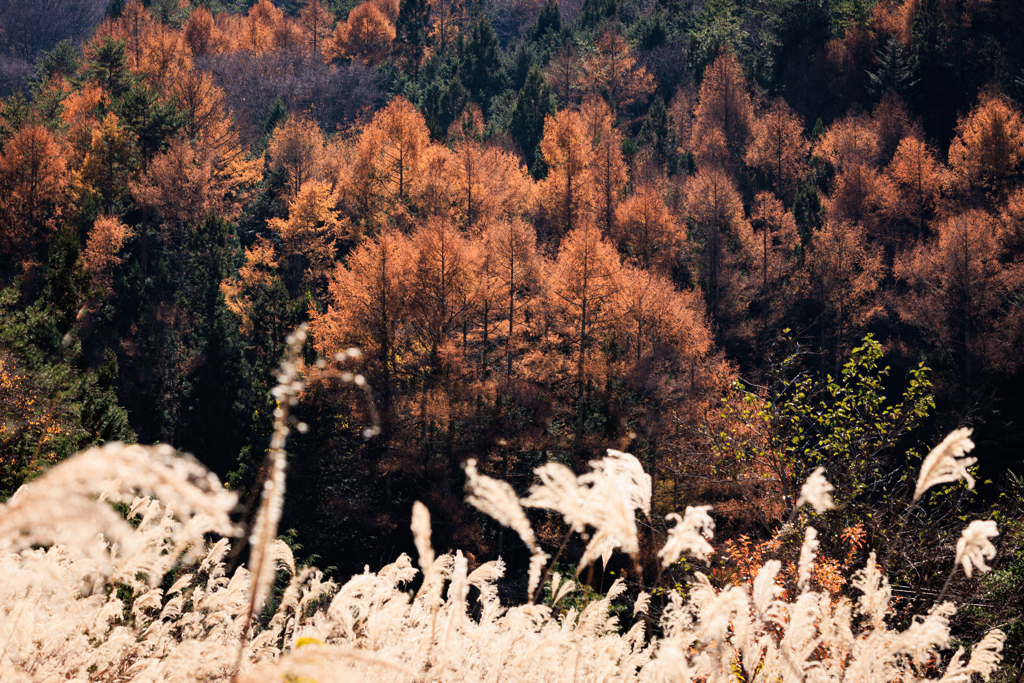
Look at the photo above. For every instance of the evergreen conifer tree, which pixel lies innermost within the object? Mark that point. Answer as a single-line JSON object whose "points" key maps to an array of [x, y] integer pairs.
{"points": [[485, 76], [893, 71], [110, 67], [412, 32], [527, 126], [656, 129]]}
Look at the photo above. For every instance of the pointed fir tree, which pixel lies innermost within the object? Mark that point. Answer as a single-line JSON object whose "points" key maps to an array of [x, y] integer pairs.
{"points": [[412, 33], [656, 129], [533, 104], [893, 71], [484, 74], [109, 67], [549, 22]]}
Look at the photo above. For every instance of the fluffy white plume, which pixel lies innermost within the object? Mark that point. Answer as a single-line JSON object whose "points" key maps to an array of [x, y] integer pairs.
{"points": [[818, 492], [628, 473], [537, 562], [642, 604], [498, 499], [421, 535], [946, 464], [689, 534], [974, 546], [560, 491], [604, 499], [808, 551]]}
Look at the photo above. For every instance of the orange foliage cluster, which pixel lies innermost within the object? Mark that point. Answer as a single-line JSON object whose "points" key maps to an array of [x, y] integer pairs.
{"points": [[456, 271], [743, 558]]}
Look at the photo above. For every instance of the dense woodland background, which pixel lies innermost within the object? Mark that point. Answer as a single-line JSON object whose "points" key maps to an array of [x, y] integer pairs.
{"points": [[737, 238]]}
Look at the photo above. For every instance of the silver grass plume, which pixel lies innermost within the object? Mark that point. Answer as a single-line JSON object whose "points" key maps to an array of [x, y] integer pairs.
{"points": [[690, 534], [616, 487], [974, 546], [985, 660], [946, 463], [498, 499], [808, 551], [262, 566], [818, 492], [421, 536], [69, 504]]}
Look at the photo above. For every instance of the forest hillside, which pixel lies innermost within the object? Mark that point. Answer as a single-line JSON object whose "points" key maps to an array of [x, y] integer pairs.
{"points": [[747, 245]]}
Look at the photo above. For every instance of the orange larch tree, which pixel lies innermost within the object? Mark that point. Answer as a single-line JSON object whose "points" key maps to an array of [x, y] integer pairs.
{"points": [[209, 126], [653, 317], [567, 193], [391, 149], [317, 25], [608, 167], [851, 141], [297, 148], [892, 124], [920, 177], [774, 252], [989, 146], [437, 187], [309, 234], [266, 29], [259, 272], [723, 115], [200, 32], [33, 184], [367, 35], [613, 71], [582, 288], [180, 186], [965, 295], [843, 273], [511, 247], [446, 19], [133, 27], [862, 194], [718, 234], [647, 232], [779, 147], [369, 304], [165, 55], [441, 281], [105, 240], [680, 111], [565, 75]]}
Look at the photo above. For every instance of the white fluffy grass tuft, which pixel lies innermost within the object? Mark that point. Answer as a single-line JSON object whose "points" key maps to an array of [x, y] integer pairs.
{"points": [[82, 600]]}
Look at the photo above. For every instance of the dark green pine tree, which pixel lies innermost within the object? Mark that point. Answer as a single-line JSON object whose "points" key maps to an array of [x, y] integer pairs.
{"points": [[533, 104], [445, 95], [807, 209], [63, 61], [412, 33], [217, 420], [484, 76], [110, 67], [441, 104], [549, 22], [518, 60], [67, 282], [893, 71], [656, 131], [153, 120]]}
